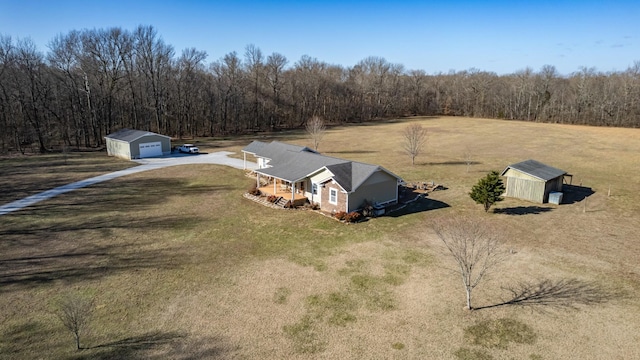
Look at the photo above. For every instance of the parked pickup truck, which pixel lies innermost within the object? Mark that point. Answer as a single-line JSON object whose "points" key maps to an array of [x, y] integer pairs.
{"points": [[188, 148]]}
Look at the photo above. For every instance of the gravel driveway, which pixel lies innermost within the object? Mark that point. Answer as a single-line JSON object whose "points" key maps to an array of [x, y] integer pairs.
{"points": [[218, 158]]}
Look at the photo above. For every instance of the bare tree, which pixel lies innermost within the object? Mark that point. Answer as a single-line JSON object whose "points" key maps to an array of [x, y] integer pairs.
{"points": [[275, 68], [75, 310], [316, 129], [468, 157], [94, 81], [415, 136], [474, 246], [254, 63]]}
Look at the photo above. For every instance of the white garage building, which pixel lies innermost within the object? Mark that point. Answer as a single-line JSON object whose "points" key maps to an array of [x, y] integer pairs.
{"points": [[136, 144]]}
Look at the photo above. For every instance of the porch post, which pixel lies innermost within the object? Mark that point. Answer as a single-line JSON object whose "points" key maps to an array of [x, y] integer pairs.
{"points": [[293, 191], [274, 186], [258, 180]]}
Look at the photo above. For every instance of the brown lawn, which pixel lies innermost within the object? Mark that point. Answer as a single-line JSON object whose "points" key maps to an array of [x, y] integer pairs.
{"points": [[181, 266]]}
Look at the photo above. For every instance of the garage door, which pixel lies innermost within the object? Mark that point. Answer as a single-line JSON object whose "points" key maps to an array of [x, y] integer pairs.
{"points": [[150, 149]]}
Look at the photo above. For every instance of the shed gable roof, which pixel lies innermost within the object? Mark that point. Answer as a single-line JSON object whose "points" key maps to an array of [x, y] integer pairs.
{"points": [[536, 169], [129, 135]]}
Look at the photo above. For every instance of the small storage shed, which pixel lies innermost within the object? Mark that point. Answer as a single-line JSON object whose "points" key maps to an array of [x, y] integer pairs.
{"points": [[532, 180], [137, 144]]}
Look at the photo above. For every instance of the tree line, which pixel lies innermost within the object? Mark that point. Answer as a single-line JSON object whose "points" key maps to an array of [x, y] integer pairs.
{"points": [[92, 82]]}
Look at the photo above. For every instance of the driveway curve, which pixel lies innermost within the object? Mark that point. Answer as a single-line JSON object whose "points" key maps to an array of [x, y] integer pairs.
{"points": [[218, 158]]}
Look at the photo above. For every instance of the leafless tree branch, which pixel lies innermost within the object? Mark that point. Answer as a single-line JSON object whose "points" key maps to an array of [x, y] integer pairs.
{"points": [[474, 246], [415, 137], [316, 129]]}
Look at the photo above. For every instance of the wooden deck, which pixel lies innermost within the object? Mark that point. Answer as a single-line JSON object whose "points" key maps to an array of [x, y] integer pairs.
{"points": [[285, 193]]}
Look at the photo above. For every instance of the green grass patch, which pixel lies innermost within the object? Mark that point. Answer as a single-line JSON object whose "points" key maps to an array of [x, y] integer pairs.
{"points": [[396, 274], [500, 333], [304, 335], [309, 260], [281, 295], [353, 267], [415, 257], [397, 346], [337, 308]]}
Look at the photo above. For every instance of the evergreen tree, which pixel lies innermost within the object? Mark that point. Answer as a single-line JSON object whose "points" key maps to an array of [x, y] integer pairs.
{"points": [[488, 190]]}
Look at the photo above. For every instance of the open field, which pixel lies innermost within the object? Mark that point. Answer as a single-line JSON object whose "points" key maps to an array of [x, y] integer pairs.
{"points": [[181, 266], [24, 176]]}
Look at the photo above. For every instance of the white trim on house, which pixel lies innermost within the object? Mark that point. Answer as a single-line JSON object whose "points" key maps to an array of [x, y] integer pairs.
{"points": [[293, 164], [333, 193]]}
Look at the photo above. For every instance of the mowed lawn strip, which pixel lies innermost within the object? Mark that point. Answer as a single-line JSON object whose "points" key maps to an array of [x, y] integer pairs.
{"points": [[180, 265]]}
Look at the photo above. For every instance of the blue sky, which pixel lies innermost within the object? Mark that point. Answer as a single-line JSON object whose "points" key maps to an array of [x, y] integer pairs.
{"points": [[435, 36]]}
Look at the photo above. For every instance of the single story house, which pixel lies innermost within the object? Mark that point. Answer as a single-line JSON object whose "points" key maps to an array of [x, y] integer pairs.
{"points": [[298, 172], [532, 180], [137, 144]]}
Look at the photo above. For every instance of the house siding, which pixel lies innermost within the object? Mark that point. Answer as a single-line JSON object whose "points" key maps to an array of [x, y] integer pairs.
{"points": [[320, 178], [325, 205], [131, 150], [378, 188], [527, 187], [135, 145], [552, 185], [305, 168], [118, 149]]}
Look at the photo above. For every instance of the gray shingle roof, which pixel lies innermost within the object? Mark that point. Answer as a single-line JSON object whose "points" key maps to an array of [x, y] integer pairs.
{"points": [[536, 169], [274, 149], [129, 135], [254, 147], [294, 163], [351, 174], [293, 166]]}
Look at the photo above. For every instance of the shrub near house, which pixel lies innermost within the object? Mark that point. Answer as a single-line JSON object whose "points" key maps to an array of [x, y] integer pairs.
{"points": [[334, 184]]}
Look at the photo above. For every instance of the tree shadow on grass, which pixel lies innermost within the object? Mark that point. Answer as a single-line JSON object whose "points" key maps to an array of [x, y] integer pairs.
{"points": [[27, 337], [453, 163], [522, 210], [123, 194], [75, 237], [352, 152], [553, 294], [20, 180], [114, 194], [29, 340], [86, 263], [573, 193]]}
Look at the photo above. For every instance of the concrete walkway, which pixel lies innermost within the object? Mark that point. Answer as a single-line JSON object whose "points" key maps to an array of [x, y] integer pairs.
{"points": [[218, 158]]}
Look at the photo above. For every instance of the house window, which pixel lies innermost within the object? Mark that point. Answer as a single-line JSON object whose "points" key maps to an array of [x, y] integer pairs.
{"points": [[333, 196], [314, 189]]}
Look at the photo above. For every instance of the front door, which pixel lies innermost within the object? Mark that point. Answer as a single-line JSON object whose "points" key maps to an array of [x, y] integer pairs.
{"points": [[316, 190]]}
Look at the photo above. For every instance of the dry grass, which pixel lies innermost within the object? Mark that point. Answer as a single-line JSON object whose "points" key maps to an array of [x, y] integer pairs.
{"points": [[181, 266], [25, 175]]}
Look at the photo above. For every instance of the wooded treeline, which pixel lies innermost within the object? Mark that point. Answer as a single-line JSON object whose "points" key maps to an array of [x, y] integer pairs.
{"points": [[93, 82]]}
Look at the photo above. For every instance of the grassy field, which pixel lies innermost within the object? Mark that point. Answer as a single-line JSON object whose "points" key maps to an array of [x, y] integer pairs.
{"points": [[181, 266], [23, 176]]}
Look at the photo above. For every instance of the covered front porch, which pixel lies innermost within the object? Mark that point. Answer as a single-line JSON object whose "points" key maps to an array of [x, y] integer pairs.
{"points": [[282, 188]]}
